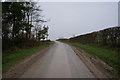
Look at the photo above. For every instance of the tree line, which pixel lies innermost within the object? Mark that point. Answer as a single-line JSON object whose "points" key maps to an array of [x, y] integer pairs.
{"points": [[106, 37], [22, 24]]}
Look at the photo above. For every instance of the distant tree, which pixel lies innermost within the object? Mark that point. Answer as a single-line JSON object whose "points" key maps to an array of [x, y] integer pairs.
{"points": [[43, 33]]}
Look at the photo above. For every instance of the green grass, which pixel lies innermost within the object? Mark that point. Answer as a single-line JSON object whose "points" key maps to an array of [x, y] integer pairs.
{"points": [[10, 59], [107, 54]]}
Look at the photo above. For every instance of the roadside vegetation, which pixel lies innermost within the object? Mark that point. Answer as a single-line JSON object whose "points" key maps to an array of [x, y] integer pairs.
{"points": [[14, 57], [22, 25], [107, 54]]}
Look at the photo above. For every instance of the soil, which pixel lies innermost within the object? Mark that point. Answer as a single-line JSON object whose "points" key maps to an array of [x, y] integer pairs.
{"points": [[98, 67], [23, 65]]}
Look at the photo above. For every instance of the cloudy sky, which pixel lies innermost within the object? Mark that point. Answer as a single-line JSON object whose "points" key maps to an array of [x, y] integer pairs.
{"points": [[69, 19]]}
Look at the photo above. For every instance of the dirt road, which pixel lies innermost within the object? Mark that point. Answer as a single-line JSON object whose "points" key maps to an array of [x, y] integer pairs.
{"points": [[59, 62]]}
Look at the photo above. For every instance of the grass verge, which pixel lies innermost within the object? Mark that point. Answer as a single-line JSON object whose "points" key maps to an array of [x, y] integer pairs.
{"points": [[10, 59], [107, 54]]}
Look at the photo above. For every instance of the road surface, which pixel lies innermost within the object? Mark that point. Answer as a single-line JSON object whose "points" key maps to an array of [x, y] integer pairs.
{"points": [[60, 61]]}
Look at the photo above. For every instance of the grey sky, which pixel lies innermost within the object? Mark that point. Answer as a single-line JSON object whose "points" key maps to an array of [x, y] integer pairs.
{"points": [[76, 18]]}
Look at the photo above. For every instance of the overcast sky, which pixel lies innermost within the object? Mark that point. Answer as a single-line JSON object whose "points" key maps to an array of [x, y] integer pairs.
{"points": [[76, 18]]}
